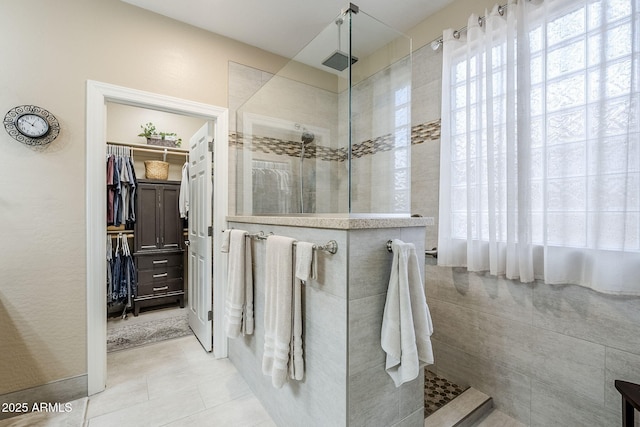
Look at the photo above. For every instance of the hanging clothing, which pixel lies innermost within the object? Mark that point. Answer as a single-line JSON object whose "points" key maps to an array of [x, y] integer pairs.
{"points": [[110, 189], [121, 188], [121, 273], [133, 184], [117, 188], [272, 187], [109, 269]]}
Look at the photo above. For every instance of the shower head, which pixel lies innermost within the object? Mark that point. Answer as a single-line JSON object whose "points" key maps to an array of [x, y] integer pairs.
{"points": [[307, 137], [339, 60]]}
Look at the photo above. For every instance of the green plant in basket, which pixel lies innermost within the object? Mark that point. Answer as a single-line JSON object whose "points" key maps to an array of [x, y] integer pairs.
{"points": [[171, 136], [148, 130]]}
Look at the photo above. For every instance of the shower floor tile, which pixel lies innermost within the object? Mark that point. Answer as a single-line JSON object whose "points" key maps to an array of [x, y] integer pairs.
{"points": [[438, 392]]}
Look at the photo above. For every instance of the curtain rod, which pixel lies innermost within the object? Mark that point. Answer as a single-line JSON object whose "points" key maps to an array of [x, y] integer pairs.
{"points": [[437, 43]]}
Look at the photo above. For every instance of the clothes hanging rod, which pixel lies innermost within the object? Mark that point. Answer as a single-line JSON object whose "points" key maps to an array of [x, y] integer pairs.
{"points": [[147, 149], [331, 246], [437, 43]]}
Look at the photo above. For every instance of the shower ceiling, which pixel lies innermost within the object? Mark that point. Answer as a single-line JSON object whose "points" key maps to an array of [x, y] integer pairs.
{"points": [[284, 27]]}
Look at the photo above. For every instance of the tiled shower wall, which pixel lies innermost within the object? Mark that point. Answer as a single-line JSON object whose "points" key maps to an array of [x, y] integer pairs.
{"points": [[548, 355], [380, 173], [302, 104]]}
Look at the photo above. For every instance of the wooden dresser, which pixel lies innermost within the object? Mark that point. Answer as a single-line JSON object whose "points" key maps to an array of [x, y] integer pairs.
{"points": [[158, 245]]}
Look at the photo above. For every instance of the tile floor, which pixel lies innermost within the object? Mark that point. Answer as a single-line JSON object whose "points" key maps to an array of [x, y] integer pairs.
{"points": [[171, 383], [174, 383], [438, 392]]}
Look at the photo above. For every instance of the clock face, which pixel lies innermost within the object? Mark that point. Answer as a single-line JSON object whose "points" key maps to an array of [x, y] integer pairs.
{"points": [[32, 125]]}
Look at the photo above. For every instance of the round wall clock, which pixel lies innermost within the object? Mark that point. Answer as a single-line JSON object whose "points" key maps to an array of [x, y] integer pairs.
{"points": [[31, 125]]}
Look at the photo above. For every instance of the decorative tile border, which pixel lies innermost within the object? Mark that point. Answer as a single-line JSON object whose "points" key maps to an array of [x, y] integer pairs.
{"points": [[429, 131], [420, 133]]}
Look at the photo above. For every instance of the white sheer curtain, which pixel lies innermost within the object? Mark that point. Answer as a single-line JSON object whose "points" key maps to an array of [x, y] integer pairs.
{"points": [[540, 156]]}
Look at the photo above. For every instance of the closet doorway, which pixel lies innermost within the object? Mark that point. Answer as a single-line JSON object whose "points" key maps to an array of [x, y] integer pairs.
{"points": [[98, 95], [147, 230]]}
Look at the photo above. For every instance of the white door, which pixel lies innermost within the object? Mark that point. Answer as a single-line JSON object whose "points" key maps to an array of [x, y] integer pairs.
{"points": [[200, 230]]}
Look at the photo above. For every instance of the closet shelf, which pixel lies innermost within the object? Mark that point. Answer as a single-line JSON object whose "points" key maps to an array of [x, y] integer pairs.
{"points": [[115, 236], [119, 231]]}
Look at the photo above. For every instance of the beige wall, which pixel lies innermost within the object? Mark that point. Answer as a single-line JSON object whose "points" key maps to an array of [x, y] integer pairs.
{"points": [[124, 121], [54, 48], [454, 16]]}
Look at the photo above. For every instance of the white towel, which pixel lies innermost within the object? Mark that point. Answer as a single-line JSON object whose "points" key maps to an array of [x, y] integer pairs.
{"points": [[296, 358], [226, 238], [406, 322], [305, 267], [239, 302], [277, 308], [306, 261], [183, 199]]}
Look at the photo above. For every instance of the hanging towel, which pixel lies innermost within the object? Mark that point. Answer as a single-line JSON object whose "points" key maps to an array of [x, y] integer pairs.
{"points": [[306, 261], [277, 308], [296, 358], [226, 237], [406, 321], [183, 199], [239, 302], [305, 268]]}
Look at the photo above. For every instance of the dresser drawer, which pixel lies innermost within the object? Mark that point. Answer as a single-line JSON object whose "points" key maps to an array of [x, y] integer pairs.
{"points": [[159, 261], [159, 275], [160, 288]]}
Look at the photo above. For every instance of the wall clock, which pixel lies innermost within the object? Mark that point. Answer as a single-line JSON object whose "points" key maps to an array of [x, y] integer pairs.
{"points": [[31, 125]]}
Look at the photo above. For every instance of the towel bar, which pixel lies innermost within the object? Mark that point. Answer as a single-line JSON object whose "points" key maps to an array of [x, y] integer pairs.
{"points": [[433, 252], [331, 246]]}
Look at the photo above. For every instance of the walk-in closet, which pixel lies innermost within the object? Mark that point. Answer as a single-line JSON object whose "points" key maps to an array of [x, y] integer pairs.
{"points": [[146, 225]]}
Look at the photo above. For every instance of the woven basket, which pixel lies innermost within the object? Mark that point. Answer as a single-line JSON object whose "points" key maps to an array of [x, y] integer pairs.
{"points": [[155, 169]]}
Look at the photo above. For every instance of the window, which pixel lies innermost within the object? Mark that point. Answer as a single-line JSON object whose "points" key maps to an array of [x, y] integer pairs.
{"points": [[541, 127]]}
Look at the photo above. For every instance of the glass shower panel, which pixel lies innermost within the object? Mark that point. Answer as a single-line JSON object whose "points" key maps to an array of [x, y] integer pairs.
{"points": [[329, 135], [380, 118]]}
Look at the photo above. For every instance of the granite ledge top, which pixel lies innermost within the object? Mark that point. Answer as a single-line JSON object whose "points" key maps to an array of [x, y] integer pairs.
{"points": [[333, 222]]}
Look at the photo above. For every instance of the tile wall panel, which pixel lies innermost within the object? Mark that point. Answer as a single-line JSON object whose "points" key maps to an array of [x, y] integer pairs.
{"points": [[373, 398], [510, 389], [553, 406], [573, 310], [315, 401]]}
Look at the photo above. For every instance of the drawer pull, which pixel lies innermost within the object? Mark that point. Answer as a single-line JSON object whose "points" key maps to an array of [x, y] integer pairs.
{"points": [[164, 288], [155, 276], [164, 261]]}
